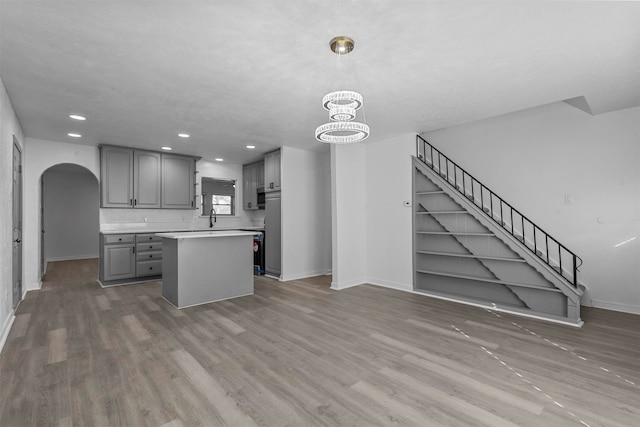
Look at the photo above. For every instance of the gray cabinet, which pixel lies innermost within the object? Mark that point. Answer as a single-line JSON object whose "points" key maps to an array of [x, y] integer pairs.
{"points": [[148, 255], [147, 173], [250, 187], [178, 181], [117, 257], [116, 183], [260, 175], [127, 258], [272, 171], [132, 178], [273, 235]]}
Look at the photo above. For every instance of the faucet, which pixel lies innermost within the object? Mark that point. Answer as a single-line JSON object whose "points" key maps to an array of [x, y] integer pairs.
{"points": [[213, 217]]}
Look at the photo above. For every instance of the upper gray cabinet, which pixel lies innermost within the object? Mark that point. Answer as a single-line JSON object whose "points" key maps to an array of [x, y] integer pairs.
{"points": [[178, 181], [116, 170], [146, 179], [272, 171], [133, 178]]}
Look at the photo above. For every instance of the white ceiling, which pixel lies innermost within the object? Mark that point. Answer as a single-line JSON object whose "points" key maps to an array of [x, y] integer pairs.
{"points": [[237, 72]]}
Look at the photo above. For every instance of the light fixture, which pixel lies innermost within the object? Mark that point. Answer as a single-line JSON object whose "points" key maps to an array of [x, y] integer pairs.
{"points": [[184, 135], [251, 147], [342, 106], [219, 159], [77, 117], [74, 135], [167, 148]]}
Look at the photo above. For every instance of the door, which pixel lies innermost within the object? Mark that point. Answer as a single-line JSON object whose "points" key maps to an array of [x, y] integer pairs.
{"points": [[147, 179], [116, 169], [273, 236], [17, 223], [177, 181], [119, 262]]}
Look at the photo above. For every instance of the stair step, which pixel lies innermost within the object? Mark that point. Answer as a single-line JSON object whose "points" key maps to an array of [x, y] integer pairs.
{"points": [[448, 233], [441, 212], [493, 258], [423, 193], [483, 279]]}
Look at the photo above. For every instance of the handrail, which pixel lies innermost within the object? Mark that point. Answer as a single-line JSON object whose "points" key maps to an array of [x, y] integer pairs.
{"points": [[530, 235]]}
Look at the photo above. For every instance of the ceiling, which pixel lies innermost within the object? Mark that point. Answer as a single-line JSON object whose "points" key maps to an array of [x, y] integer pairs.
{"points": [[233, 73]]}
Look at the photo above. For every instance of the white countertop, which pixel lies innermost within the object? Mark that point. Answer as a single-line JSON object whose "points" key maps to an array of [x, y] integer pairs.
{"points": [[206, 234], [175, 230]]}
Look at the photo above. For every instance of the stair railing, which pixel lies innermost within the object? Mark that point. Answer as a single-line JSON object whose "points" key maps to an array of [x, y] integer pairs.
{"points": [[535, 239]]}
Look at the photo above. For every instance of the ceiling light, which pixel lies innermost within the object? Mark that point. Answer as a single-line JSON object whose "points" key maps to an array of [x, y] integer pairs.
{"points": [[77, 117], [342, 106], [251, 147], [167, 148], [219, 159], [74, 135], [184, 135]]}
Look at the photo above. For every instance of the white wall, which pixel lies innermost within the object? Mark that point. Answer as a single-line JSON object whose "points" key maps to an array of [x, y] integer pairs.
{"points": [[535, 157], [9, 126], [39, 156], [306, 213], [71, 220], [388, 185], [349, 210]]}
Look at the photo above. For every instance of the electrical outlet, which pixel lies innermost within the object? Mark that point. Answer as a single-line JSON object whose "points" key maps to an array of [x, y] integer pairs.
{"points": [[568, 199]]}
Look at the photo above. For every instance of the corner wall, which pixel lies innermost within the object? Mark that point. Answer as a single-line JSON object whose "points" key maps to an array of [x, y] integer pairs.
{"points": [[306, 213], [9, 126]]}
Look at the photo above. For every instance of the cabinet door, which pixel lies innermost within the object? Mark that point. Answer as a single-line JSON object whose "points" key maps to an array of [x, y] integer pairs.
{"points": [[116, 177], [119, 262], [260, 175], [178, 181], [272, 172], [249, 193], [147, 179], [273, 237]]}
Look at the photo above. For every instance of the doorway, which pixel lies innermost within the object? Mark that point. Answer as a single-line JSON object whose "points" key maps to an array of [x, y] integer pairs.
{"points": [[70, 224], [16, 197]]}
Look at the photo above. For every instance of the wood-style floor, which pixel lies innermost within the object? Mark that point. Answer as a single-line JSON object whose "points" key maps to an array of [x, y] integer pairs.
{"points": [[300, 354]]}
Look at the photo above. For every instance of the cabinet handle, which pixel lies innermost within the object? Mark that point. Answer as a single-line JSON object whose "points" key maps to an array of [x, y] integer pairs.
{"points": [[131, 201], [249, 204], [120, 240], [135, 202]]}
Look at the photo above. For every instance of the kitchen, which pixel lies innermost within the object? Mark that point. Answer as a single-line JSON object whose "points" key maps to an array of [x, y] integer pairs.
{"points": [[305, 250]]}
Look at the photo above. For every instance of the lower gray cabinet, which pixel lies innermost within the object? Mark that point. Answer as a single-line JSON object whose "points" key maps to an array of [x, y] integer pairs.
{"points": [[126, 257], [117, 257]]}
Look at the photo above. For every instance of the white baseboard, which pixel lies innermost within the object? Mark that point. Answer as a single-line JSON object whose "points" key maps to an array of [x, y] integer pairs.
{"points": [[72, 257], [298, 276], [392, 285], [34, 286], [344, 285], [615, 306], [6, 328]]}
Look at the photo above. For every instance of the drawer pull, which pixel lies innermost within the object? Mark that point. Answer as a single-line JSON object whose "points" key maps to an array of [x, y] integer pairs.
{"points": [[120, 240], [150, 268], [150, 256]]}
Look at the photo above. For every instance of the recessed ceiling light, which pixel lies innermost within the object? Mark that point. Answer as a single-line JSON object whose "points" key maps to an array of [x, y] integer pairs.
{"points": [[77, 117], [251, 147], [167, 148], [184, 135], [74, 135], [219, 159]]}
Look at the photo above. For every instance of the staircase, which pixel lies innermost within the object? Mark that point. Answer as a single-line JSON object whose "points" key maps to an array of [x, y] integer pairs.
{"points": [[472, 246]]}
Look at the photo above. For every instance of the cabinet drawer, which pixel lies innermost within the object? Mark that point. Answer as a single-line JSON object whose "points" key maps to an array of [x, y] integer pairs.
{"points": [[149, 247], [148, 268], [110, 239], [143, 238], [149, 256]]}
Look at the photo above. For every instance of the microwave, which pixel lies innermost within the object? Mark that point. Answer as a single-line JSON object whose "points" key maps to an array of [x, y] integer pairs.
{"points": [[261, 201]]}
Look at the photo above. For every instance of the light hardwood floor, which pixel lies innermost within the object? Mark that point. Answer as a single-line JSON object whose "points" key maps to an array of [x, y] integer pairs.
{"points": [[300, 354]]}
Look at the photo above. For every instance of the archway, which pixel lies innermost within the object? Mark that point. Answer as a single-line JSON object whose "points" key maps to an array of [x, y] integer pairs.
{"points": [[70, 214]]}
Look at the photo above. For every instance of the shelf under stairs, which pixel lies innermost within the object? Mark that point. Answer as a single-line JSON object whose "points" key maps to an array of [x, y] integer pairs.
{"points": [[465, 254]]}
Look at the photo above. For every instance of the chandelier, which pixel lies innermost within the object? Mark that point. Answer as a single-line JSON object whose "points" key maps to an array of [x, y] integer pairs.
{"points": [[342, 106]]}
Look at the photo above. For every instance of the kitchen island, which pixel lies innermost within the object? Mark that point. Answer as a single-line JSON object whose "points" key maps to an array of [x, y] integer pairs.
{"points": [[206, 266]]}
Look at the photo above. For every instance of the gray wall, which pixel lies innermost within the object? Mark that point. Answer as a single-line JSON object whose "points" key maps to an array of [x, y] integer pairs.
{"points": [[71, 213]]}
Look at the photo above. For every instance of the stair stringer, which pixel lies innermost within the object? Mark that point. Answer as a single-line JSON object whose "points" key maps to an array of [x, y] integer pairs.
{"points": [[573, 294]]}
